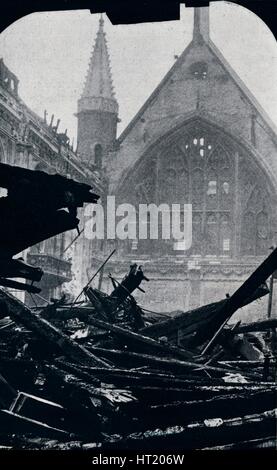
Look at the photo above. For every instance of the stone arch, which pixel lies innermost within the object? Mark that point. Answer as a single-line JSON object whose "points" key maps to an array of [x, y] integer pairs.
{"points": [[194, 119], [218, 176]]}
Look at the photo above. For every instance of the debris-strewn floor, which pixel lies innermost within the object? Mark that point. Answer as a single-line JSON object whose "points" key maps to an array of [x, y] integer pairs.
{"points": [[104, 373]]}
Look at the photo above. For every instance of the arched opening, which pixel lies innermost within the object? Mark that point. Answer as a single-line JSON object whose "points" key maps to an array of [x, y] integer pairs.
{"points": [[230, 194]]}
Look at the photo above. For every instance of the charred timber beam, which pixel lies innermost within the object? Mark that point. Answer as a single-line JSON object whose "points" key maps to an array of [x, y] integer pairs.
{"points": [[261, 325], [184, 412], [44, 329], [263, 443], [19, 286], [170, 364], [96, 302], [237, 300], [55, 190], [145, 372], [136, 338], [124, 378], [163, 395], [17, 268], [210, 432], [242, 364], [191, 321], [73, 369], [225, 406], [35, 207], [108, 395], [34, 225]]}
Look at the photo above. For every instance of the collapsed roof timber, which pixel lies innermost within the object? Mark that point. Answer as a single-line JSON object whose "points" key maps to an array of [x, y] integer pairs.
{"points": [[104, 372]]}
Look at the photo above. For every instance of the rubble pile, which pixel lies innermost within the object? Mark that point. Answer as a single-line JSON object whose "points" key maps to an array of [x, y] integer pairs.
{"points": [[102, 372]]}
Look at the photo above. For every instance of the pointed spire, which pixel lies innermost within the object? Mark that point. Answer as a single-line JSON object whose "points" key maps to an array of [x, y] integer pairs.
{"points": [[101, 21], [201, 24], [98, 82]]}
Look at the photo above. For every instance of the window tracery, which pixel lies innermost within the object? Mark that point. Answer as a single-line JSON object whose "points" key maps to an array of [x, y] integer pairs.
{"points": [[231, 216]]}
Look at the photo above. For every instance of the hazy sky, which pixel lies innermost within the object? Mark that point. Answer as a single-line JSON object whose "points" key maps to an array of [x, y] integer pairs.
{"points": [[49, 52]]}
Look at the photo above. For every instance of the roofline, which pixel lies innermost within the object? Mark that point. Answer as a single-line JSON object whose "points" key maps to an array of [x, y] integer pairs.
{"points": [[245, 90], [155, 92], [239, 82]]}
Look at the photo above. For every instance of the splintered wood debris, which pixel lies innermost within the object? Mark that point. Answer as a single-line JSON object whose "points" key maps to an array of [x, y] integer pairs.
{"points": [[105, 373]]}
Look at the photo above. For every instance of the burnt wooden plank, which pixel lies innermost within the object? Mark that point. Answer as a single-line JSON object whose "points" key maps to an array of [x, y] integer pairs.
{"points": [[44, 329]]}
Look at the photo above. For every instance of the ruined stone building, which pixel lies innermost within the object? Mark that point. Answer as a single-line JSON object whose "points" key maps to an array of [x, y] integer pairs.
{"points": [[29, 141], [201, 138]]}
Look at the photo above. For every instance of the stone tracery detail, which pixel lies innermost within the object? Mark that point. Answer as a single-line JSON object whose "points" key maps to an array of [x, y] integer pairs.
{"points": [[197, 166]]}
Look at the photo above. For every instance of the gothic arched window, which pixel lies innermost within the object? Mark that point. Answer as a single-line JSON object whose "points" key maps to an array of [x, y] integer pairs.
{"points": [[228, 192]]}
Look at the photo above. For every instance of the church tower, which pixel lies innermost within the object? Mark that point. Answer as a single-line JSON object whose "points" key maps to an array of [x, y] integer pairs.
{"points": [[97, 107]]}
